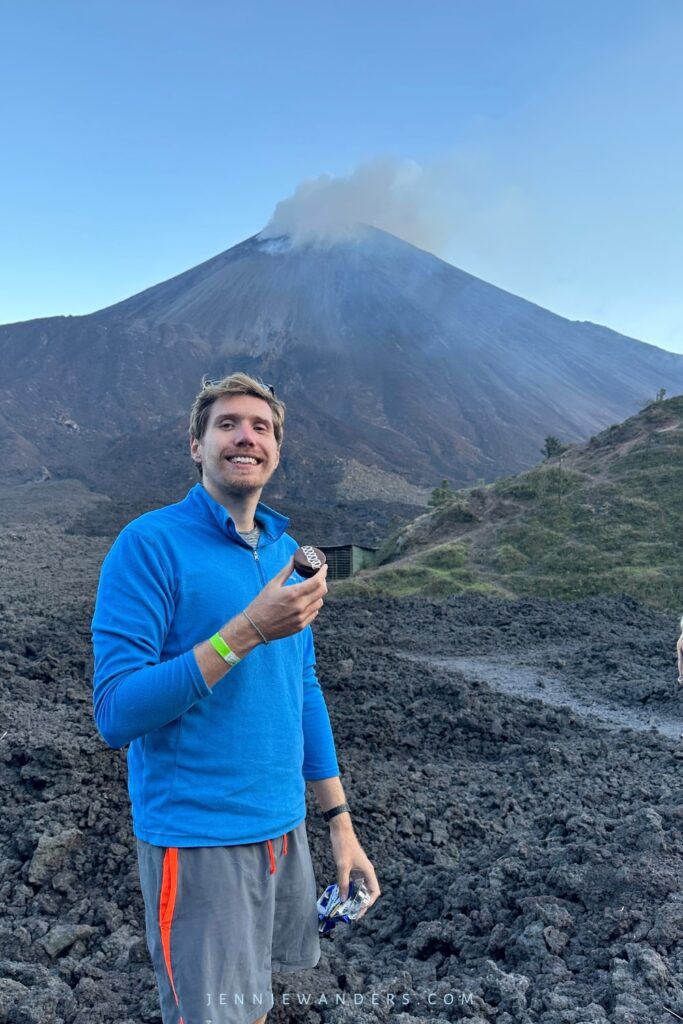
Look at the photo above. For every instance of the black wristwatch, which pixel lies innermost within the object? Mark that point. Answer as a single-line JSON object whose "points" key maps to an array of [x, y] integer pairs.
{"points": [[334, 811]]}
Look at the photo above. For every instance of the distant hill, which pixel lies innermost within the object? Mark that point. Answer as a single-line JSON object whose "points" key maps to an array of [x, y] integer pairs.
{"points": [[397, 368], [604, 518]]}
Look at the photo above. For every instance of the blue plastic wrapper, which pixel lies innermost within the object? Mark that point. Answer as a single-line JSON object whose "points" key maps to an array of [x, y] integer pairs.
{"points": [[332, 911]]}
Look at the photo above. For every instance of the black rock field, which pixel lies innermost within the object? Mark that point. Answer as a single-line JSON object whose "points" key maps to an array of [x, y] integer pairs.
{"points": [[514, 769]]}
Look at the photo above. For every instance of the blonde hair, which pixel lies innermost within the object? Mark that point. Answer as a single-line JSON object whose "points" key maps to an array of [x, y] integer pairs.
{"points": [[234, 384]]}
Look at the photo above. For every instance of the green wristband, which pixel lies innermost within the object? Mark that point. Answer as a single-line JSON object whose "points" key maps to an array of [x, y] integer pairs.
{"points": [[220, 647]]}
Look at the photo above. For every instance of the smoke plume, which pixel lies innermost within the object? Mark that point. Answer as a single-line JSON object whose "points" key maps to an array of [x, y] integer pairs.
{"points": [[417, 203]]}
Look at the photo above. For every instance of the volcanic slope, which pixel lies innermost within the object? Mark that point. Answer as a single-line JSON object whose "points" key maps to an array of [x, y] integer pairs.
{"points": [[605, 517], [397, 368]]}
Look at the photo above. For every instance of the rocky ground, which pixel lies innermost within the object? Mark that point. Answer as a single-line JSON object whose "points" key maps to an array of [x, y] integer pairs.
{"points": [[530, 855]]}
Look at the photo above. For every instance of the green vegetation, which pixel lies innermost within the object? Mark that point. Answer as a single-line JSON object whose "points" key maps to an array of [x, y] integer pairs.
{"points": [[552, 446], [441, 495], [607, 518], [441, 571]]}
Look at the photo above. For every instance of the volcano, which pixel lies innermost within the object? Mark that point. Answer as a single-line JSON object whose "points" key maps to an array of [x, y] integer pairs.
{"points": [[397, 368]]}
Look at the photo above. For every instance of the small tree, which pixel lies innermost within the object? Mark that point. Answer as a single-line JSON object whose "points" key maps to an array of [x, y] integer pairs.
{"points": [[552, 446], [441, 495], [659, 397]]}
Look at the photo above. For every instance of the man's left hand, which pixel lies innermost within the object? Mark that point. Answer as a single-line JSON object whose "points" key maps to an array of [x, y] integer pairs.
{"points": [[349, 857]]}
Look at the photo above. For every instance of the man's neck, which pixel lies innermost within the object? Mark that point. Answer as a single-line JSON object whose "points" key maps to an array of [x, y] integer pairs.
{"points": [[241, 507]]}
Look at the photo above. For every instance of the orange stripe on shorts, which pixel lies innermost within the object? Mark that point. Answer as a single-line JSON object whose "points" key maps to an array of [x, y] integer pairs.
{"points": [[169, 890]]}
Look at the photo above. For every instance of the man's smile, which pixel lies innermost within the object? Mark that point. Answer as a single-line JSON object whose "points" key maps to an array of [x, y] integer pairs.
{"points": [[243, 460]]}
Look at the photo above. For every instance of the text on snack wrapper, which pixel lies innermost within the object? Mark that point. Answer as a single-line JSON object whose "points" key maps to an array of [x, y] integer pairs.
{"points": [[310, 554]]}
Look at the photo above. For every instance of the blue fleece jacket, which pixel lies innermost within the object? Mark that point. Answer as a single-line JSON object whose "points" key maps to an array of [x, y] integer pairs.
{"points": [[206, 766]]}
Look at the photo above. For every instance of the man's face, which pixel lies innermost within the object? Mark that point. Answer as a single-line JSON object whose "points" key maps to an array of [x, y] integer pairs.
{"points": [[238, 451]]}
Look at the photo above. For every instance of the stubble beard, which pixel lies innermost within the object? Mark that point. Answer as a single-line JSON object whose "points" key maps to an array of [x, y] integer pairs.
{"points": [[236, 485]]}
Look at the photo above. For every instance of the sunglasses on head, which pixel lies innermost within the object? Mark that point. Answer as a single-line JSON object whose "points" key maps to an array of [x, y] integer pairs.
{"points": [[217, 380]]}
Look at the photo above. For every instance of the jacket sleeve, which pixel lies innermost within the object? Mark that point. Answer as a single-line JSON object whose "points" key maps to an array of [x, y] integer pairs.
{"points": [[320, 758], [135, 692]]}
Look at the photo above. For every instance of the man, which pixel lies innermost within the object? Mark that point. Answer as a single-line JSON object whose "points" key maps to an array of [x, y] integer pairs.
{"points": [[204, 663]]}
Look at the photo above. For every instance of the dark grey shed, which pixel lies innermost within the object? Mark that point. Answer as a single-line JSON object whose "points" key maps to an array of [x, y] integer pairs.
{"points": [[345, 560]]}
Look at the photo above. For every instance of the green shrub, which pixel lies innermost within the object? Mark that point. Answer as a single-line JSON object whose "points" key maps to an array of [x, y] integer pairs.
{"points": [[508, 558], [445, 556]]}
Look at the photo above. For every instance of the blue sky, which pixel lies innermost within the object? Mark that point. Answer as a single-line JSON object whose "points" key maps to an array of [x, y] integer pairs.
{"points": [[141, 138]]}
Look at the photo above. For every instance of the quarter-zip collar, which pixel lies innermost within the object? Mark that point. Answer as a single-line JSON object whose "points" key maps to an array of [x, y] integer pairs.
{"points": [[272, 523]]}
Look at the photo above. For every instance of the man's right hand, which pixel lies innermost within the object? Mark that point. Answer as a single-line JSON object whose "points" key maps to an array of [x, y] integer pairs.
{"points": [[278, 611], [281, 610]]}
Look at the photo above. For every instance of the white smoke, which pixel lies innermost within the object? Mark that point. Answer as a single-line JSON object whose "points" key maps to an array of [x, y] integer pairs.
{"points": [[417, 203]]}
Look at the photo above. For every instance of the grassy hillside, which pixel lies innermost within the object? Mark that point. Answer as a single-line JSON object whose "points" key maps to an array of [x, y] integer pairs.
{"points": [[604, 518]]}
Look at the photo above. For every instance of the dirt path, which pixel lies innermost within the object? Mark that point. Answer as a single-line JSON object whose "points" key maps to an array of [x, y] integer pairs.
{"points": [[552, 689]]}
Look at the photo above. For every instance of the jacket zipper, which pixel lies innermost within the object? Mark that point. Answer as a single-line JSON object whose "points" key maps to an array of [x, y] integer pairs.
{"points": [[259, 567]]}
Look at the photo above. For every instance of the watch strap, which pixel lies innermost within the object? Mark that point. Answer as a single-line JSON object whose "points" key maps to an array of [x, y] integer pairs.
{"points": [[334, 811]]}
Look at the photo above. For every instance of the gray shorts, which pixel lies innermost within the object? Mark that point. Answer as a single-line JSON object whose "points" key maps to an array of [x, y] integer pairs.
{"points": [[220, 919]]}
